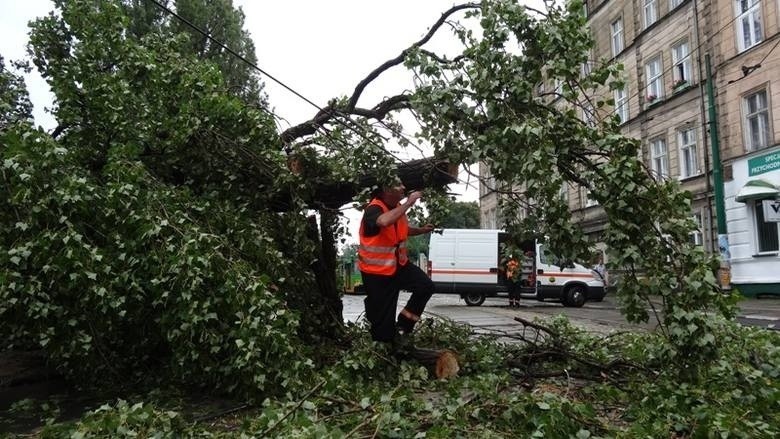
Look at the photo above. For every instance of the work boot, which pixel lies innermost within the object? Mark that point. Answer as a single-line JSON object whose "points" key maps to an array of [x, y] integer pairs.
{"points": [[402, 342]]}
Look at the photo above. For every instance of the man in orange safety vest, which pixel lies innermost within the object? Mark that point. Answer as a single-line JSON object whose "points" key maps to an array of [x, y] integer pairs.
{"points": [[385, 267]]}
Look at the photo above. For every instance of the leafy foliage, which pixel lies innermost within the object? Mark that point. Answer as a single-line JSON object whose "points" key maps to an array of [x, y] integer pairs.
{"points": [[367, 391], [222, 21], [486, 105], [138, 240], [15, 105], [113, 278], [141, 241]]}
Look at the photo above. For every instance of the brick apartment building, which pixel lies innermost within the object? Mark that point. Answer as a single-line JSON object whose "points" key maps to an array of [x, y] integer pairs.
{"points": [[662, 45]]}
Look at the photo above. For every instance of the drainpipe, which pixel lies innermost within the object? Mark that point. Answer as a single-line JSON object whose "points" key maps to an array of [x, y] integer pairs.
{"points": [[724, 273], [711, 244]]}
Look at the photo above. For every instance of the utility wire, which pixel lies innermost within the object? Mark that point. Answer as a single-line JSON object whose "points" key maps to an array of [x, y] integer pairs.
{"points": [[747, 70], [256, 67], [360, 133], [231, 51]]}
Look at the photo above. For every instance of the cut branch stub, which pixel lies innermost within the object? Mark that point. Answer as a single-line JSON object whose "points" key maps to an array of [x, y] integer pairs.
{"points": [[442, 363]]}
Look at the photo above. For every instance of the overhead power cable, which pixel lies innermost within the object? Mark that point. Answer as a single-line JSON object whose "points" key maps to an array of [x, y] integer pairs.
{"points": [[352, 128]]}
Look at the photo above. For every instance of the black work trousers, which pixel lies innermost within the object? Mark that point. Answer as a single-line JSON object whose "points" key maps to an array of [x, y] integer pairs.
{"points": [[382, 299]]}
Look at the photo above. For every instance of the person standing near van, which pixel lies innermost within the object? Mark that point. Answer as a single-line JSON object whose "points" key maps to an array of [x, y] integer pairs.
{"points": [[511, 277], [385, 267]]}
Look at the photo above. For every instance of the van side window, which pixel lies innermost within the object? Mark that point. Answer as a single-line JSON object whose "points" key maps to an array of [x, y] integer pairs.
{"points": [[542, 255]]}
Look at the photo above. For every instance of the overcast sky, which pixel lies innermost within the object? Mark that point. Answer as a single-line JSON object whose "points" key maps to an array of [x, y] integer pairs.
{"points": [[322, 49]]}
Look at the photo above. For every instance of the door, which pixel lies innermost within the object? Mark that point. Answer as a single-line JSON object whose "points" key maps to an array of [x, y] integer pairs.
{"points": [[442, 260]]}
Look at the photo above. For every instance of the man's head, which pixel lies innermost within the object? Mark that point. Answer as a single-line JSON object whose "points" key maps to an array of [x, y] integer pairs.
{"points": [[392, 195]]}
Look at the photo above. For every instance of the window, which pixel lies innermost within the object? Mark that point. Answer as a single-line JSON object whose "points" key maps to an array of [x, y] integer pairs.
{"points": [[766, 231], [681, 57], [589, 200], [487, 183], [748, 22], [674, 3], [617, 36], [651, 12], [659, 158], [564, 192], [588, 114], [655, 79], [756, 121], [687, 141], [621, 104], [696, 235], [588, 65]]}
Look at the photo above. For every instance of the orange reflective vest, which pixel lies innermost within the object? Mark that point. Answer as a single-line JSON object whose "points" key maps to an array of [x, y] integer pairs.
{"points": [[511, 268], [380, 254]]}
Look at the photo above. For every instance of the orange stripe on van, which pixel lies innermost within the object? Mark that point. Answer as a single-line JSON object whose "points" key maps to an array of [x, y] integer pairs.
{"points": [[483, 272], [556, 274]]}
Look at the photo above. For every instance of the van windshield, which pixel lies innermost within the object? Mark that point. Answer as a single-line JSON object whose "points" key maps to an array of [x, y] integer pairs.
{"points": [[546, 259]]}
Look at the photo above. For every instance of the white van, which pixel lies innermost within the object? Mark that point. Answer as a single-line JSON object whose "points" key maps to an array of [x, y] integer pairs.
{"points": [[466, 262]]}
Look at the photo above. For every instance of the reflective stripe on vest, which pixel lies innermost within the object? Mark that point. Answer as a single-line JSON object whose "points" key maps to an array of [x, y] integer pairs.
{"points": [[380, 254]]}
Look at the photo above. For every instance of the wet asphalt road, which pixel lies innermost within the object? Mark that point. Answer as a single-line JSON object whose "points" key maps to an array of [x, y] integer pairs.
{"points": [[495, 316]]}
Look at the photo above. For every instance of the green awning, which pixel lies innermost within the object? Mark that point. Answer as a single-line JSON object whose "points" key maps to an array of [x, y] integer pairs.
{"points": [[757, 190]]}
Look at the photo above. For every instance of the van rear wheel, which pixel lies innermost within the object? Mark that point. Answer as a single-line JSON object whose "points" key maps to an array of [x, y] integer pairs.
{"points": [[575, 296], [474, 299]]}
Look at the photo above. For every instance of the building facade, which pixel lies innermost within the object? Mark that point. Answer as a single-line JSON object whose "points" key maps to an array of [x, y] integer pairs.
{"points": [[747, 62], [664, 45]]}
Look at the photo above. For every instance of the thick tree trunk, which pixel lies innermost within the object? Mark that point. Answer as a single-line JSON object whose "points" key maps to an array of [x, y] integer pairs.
{"points": [[415, 175], [329, 289], [441, 363], [325, 302]]}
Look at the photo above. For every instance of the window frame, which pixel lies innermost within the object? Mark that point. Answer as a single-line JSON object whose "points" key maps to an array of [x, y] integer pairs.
{"points": [[590, 201], [747, 116], [753, 14], [682, 69], [682, 147], [649, 5], [657, 80], [619, 33], [758, 211], [621, 105], [697, 235], [659, 160]]}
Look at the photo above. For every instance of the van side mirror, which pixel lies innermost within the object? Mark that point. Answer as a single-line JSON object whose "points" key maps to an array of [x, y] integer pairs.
{"points": [[540, 271]]}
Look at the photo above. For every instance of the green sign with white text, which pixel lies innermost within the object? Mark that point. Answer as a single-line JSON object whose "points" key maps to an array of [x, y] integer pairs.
{"points": [[764, 163]]}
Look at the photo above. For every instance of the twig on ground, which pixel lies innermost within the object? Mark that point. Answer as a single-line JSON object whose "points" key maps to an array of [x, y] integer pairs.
{"points": [[291, 411]]}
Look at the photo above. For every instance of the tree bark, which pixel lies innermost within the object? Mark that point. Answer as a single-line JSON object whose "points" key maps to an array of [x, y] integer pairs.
{"points": [[415, 175], [329, 289]]}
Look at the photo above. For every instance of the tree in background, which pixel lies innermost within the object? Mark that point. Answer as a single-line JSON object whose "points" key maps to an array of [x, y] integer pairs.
{"points": [[461, 215], [15, 104], [221, 20], [444, 213]]}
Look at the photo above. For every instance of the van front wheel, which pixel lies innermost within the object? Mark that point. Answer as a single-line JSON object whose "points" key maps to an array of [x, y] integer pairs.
{"points": [[575, 296], [474, 299]]}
